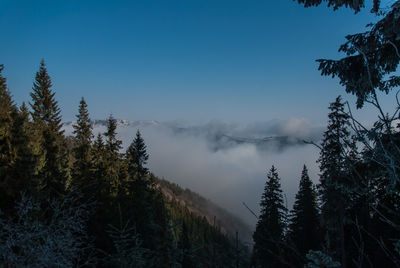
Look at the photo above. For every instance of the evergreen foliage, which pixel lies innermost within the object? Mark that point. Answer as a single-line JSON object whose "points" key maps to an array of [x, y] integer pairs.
{"points": [[82, 169], [304, 220], [334, 181], [112, 156], [127, 243], [55, 225], [7, 154], [25, 147], [270, 227], [372, 57], [99, 165], [336, 4], [185, 246], [46, 117], [137, 156], [17, 158], [369, 185], [358, 192]]}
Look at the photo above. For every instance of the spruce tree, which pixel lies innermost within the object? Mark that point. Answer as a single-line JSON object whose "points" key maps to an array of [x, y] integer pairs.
{"points": [[45, 107], [82, 171], [137, 156], [7, 109], [140, 189], [304, 221], [17, 159], [47, 119], [113, 156], [270, 227], [334, 181], [7, 152], [23, 140], [98, 156]]}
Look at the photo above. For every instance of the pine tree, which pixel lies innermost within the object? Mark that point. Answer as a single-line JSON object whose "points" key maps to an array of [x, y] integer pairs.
{"points": [[7, 109], [45, 107], [23, 140], [113, 156], [139, 185], [113, 145], [334, 181], [370, 66], [7, 152], [82, 173], [140, 189], [304, 221], [47, 119], [270, 227], [137, 156], [17, 160], [98, 158]]}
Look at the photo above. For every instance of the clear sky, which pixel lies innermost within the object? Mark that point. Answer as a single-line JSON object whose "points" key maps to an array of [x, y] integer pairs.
{"points": [[194, 60]]}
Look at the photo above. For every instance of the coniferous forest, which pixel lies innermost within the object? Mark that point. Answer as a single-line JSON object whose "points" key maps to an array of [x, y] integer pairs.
{"points": [[350, 218], [82, 201]]}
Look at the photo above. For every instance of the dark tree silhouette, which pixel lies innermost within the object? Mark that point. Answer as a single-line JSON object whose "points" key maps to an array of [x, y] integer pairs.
{"points": [[46, 117], [270, 227]]}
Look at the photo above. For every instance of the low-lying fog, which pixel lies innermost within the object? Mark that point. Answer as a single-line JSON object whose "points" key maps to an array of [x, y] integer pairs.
{"points": [[226, 163]]}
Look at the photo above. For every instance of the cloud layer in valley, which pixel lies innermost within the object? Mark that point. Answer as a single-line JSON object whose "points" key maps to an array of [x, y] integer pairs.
{"points": [[226, 163]]}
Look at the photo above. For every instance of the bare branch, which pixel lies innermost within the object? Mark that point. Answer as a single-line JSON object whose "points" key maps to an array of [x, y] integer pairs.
{"points": [[244, 204]]}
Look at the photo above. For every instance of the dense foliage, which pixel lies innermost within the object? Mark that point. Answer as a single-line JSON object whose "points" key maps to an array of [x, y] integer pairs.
{"points": [[352, 218], [79, 202]]}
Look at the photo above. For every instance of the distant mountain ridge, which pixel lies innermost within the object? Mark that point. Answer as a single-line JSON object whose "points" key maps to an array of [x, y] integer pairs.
{"points": [[120, 122], [219, 135]]}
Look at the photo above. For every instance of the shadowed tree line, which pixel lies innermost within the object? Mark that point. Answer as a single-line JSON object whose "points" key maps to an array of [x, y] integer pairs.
{"points": [[79, 201], [351, 218]]}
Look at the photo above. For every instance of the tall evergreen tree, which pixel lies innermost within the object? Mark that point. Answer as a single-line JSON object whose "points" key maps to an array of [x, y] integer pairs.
{"points": [[45, 107], [47, 119], [17, 160], [99, 169], [23, 139], [270, 227], [140, 188], [334, 181], [370, 66], [304, 221], [112, 156], [82, 171], [113, 145], [7, 153], [7, 108], [137, 156]]}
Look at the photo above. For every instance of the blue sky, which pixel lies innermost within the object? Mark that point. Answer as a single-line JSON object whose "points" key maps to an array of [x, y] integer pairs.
{"points": [[193, 60]]}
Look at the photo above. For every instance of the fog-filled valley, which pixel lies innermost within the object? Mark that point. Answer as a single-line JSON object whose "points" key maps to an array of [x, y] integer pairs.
{"points": [[227, 163]]}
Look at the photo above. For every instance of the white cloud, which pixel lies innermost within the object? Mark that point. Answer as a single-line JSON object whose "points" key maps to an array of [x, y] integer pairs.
{"points": [[231, 175]]}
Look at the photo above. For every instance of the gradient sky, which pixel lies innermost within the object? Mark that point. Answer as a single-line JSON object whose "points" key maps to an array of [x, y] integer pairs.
{"points": [[194, 60]]}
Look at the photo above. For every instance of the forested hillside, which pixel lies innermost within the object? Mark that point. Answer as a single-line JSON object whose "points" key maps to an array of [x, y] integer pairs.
{"points": [[80, 201], [198, 205]]}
